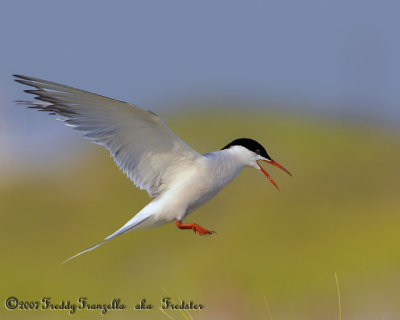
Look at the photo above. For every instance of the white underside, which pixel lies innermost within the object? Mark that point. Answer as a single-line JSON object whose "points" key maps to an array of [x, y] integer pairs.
{"points": [[193, 187]]}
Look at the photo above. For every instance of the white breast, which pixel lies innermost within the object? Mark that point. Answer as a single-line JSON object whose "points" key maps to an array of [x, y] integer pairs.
{"points": [[216, 170], [196, 184]]}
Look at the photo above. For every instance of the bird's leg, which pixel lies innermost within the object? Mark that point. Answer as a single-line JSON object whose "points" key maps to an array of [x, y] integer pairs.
{"points": [[195, 227]]}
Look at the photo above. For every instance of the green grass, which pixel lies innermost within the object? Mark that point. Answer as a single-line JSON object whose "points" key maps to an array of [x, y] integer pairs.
{"points": [[338, 213]]}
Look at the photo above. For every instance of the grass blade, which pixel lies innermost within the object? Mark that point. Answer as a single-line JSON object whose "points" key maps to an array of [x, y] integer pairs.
{"points": [[339, 298], [268, 309]]}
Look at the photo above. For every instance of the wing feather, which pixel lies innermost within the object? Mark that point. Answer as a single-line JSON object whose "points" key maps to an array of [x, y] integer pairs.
{"points": [[143, 147]]}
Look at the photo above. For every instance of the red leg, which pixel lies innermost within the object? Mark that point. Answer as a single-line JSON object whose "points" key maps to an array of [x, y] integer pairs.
{"points": [[195, 227]]}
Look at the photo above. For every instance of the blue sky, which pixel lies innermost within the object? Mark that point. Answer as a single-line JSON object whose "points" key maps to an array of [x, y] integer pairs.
{"points": [[334, 57]]}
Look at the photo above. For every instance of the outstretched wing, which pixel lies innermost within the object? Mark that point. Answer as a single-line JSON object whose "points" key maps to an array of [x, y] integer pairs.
{"points": [[147, 151]]}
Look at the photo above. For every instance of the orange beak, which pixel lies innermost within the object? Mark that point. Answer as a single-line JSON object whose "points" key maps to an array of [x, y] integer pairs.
{"points": [[276, 164]]}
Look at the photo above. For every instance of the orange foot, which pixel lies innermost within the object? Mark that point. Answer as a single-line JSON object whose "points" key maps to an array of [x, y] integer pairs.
{"points": [[195, 227]]}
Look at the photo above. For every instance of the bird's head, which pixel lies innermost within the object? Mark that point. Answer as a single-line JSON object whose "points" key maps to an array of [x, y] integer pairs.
{"points": [[250, 152]]}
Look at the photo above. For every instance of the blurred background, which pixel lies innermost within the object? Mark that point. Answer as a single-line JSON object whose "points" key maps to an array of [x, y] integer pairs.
{"points": [[316, 82]]}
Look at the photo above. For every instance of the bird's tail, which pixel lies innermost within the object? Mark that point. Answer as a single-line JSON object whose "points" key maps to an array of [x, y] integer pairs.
{"points": [[87, 250], [138, 219]]}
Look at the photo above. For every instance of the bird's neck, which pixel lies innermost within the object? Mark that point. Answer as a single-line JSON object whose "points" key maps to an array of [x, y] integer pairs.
{"points": [[225, 164]]}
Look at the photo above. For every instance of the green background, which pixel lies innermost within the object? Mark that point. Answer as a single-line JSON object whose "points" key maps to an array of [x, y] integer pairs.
{"points": [[338, 213]]}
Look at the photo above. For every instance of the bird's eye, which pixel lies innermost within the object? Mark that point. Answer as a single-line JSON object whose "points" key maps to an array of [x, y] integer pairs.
{"points": [[258, 151]]}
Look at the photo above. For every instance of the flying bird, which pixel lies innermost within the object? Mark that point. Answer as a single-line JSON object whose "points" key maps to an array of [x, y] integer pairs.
{"points": [[178, 178]]}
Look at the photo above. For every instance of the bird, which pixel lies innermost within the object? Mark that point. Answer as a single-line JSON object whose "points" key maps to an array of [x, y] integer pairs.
{"points": [[177, 178]]}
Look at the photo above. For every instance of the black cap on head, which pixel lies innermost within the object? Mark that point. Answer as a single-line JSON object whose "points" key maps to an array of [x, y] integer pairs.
{"points": [[249, 144]]}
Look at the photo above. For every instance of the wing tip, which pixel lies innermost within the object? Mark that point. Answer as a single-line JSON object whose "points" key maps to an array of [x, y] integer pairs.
{"points": [[20, 77]]}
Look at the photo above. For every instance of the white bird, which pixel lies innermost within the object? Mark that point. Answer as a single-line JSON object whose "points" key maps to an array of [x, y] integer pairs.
{"points": [[178, 178]]}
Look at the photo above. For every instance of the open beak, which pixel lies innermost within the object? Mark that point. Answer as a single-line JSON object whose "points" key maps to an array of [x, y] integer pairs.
{"points": [[275, 164]]}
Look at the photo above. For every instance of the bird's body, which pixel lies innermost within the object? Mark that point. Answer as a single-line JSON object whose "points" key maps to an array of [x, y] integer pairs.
{"points": [[178, 178], [193, 186]]}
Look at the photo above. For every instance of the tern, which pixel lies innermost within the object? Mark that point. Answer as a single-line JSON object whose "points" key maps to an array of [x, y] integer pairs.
{"points": [[178, 178]]}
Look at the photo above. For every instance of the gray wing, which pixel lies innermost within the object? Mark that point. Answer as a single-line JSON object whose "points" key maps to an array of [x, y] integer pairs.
{"points": [[147, 151]]}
